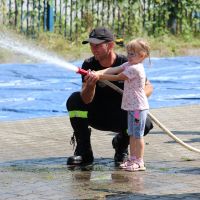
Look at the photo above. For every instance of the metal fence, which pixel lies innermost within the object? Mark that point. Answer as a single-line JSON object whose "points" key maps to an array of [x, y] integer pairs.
{"points": [[71, 18]]}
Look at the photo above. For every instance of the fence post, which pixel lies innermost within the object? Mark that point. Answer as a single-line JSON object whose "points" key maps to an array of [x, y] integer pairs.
{"points": [[45, 16], [50, 17]]}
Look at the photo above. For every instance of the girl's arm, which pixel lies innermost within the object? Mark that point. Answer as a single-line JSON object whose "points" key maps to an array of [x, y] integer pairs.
{"points": [[111, 74], [110, 70], [112, 77]]}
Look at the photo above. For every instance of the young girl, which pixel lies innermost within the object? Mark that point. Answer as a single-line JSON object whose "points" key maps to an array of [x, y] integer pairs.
{"points": [[134, 99]]}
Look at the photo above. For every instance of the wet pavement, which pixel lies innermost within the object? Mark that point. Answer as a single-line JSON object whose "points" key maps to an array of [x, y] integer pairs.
{"points": [[34, 152]]}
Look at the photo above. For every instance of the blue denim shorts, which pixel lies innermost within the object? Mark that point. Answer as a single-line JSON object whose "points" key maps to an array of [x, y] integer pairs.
{"points": [[136, 123]]}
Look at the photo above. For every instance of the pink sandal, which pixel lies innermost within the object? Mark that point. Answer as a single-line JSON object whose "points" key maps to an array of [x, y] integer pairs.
{"points": [[124, 165], [136, 166]]}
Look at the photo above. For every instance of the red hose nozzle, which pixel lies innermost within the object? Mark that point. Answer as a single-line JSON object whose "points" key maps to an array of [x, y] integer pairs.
{"points": [[81, 71]]}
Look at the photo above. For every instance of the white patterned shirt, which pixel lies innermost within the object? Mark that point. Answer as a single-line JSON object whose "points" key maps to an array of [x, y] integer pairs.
{"points": [[134, 97]]}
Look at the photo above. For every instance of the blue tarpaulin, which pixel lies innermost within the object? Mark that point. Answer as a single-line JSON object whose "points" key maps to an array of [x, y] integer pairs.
{"points": [[41, 90]]}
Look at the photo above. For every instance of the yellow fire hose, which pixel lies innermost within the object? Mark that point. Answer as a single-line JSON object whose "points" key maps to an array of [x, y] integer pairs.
{"points": [[153, 118]]}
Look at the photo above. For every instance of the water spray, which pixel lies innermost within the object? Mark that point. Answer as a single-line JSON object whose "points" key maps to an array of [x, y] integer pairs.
{"points": [[10, 43]]}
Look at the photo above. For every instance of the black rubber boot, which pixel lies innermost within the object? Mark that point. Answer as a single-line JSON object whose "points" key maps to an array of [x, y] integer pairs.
{"points": [[120, 143], [83, 154]]}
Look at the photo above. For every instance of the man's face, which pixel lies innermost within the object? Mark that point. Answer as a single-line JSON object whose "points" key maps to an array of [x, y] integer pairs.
{"points": [[100, 51]]}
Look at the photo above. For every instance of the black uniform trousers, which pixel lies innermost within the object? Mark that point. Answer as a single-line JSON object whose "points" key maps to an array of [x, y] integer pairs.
{"points": [[101, 115]]}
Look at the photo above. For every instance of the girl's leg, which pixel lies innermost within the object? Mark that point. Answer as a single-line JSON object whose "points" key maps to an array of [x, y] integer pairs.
{"points": [[139, 125], [131, 133], [139, 146], [138, 142], [133, 147], [138, 163], [132, 158], [136, 149]]}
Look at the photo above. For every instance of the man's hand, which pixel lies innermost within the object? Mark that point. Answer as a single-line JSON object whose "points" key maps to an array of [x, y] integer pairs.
{"points": [[91, 78], [88, 88]]}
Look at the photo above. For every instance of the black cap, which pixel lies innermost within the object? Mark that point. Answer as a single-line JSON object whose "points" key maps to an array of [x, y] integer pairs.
{"points": [[99, 35]]}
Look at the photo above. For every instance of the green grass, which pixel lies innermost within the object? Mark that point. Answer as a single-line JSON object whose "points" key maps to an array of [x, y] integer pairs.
{"points": [[167, 45], [65, 48]]}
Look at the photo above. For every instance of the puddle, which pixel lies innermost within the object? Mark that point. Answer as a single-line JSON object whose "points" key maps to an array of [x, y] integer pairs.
{"points": [[49, 177], [97, 180]]}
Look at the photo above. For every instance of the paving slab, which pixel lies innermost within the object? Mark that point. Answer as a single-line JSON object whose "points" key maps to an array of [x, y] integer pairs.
{"points": [[33, 158]]}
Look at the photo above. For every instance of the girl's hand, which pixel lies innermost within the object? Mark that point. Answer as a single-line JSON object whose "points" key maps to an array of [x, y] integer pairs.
{"points": [[96, 74]]}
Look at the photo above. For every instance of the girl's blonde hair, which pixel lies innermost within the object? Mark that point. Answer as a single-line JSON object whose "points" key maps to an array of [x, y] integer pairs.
{"points": [[139, 45]]}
